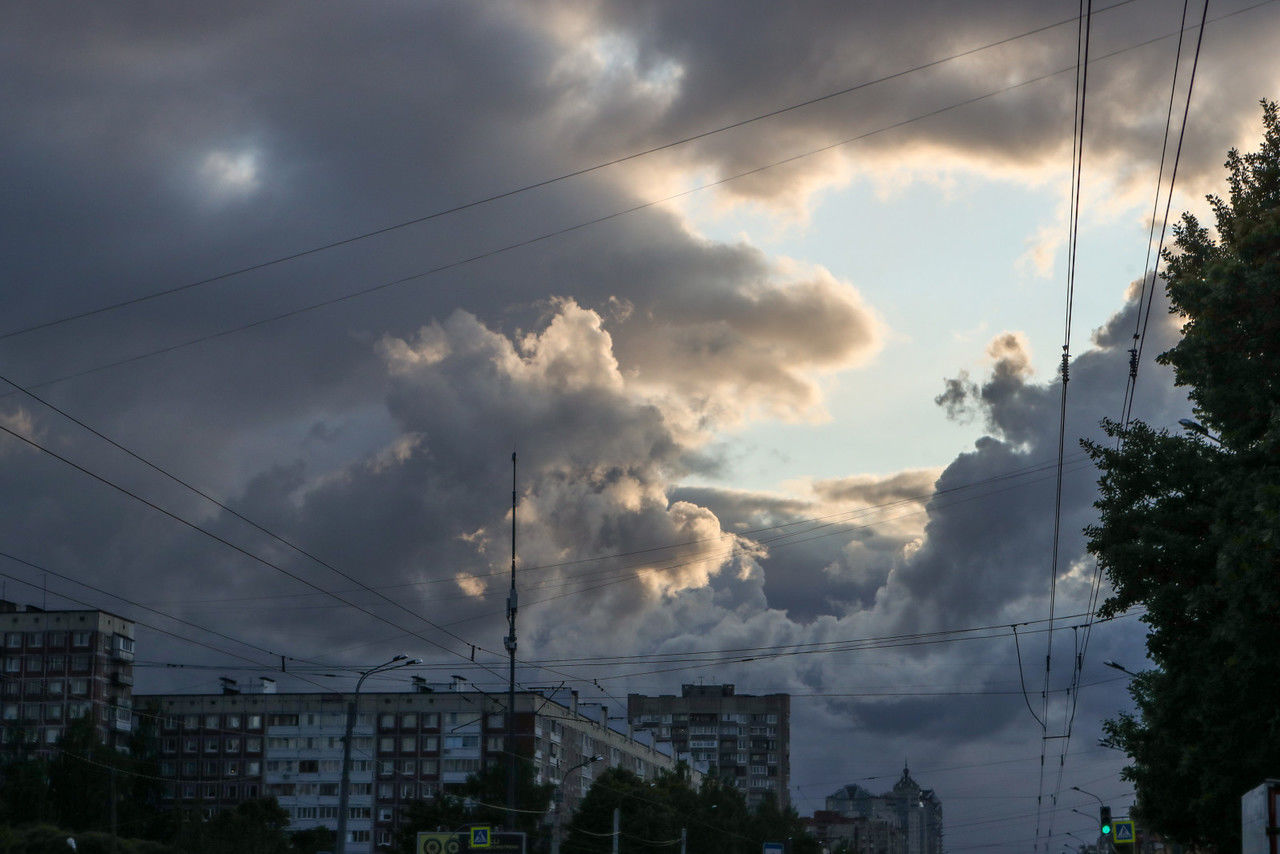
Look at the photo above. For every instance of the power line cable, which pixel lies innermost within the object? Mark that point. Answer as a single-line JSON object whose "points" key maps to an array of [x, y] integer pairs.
{"points": [[591, 222], [539, 184]]}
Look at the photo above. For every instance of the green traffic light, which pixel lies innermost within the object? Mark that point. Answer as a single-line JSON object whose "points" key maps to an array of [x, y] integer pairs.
{"points": [[1106, 830]]}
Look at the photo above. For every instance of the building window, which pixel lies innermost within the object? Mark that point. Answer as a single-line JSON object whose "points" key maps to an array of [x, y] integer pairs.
{"points": [[387, 721], [253, 768], [386, 745], [429, 767], [385, 813], [190, 769], [210, 721], [13, 640], [431, 721], [211, 745], [430, 743], [408, 744], [231, 769], [254, 722], [409, 720], [407, 791], [409, 767], [253, 745]]}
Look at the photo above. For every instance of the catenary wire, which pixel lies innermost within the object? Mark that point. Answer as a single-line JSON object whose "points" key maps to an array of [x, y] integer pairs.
{"points": [[591, 222], [539, 184]]}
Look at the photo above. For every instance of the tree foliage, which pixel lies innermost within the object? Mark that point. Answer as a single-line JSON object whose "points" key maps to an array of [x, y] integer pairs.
{"points": [[480, 800], [652, 814], [1190, 523]]}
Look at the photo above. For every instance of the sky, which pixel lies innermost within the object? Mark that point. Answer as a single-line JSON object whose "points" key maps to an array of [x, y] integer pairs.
{"points": [[769, 299]]}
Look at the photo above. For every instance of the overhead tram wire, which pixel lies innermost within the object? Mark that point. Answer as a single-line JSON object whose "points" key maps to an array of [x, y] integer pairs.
{"points": [[448, 266], [239, 549], [1147, 291], [1173, 178], [46, 571], [261, 265], [837, 518], [1136, 357], [1083, 33], [222, 506]]}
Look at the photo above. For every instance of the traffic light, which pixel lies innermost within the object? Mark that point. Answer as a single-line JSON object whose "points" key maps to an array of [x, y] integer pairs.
{"points": [[1106, 820]]}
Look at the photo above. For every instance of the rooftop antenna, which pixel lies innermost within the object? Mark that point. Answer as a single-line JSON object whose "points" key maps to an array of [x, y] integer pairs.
{"points": [[510, 642]]}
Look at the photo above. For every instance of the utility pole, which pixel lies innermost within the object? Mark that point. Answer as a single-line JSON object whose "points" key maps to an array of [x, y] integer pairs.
{"points": [[113, 808], [344, 787], [684, 838], [510, 643], [617, 821]]}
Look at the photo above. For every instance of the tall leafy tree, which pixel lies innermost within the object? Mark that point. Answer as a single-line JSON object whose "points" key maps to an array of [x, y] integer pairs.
{"points": [[1189, 525]]}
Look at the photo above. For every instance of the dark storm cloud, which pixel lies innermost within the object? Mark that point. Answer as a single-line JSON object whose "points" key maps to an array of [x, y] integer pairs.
{"points": [[782, 55], [150, 146]]}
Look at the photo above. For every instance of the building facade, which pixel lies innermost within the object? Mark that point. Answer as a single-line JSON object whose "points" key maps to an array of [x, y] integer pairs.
{"points": [[744, 739], [219, 749], [57, 666], [913, 815]]}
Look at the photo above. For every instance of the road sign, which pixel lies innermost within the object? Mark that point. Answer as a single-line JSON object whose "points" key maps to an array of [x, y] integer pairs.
{"points": [[438, 843], [774, 848], [480, 837], [1123, 832]]}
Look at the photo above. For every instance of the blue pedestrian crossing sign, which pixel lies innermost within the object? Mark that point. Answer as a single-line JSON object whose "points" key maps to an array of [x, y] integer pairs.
{"points": [[1122, 832], [481, 837]]}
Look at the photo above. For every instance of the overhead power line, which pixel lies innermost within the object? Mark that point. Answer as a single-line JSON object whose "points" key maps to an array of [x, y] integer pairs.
{"points": [[560, 232], [515, 191]]}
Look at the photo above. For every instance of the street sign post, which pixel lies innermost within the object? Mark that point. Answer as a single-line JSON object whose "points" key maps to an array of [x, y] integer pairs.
{"points": [[481, 837], [1123, 833]]}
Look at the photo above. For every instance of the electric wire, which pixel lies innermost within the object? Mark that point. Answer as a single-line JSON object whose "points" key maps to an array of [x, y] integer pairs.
{"points": [[261, 265], [590, 222]]}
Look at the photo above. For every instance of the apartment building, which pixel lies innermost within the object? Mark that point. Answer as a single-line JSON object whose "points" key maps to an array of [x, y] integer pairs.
{"points": [[913, 813], [745, 739], [57, 666], [219, 749]]}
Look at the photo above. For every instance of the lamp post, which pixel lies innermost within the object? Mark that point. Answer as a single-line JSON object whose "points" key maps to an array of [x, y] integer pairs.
{"points": [[344, 789], [555, 836], [1197, 427], [1090, 794], [1117, 666]]}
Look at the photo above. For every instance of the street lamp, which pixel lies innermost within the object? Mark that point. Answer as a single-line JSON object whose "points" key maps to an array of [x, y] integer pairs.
{"points": [[344, 789], [555, 836], [1117, 666], [1197, 427], [1090, 794]]}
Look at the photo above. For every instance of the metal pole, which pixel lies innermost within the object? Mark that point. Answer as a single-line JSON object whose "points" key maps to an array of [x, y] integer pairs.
{"points": [[684, 837], [511, 652], [113, 809], [617, 820], [344, 789]]}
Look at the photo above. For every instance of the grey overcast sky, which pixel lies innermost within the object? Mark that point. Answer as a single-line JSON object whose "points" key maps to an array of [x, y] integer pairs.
{"points": [[792, 382]]}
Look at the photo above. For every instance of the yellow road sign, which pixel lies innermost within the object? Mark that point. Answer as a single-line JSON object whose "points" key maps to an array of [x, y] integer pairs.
{"points": [[438, 843]]}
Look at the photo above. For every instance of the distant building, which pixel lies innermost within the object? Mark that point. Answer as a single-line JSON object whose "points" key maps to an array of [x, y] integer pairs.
{"points": [[58, 666], [744, 739], [217, 750], [914, 814]]}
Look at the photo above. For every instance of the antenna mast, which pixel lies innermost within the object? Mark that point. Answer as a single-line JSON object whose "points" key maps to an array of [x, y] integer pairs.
{"points": [[510, 642]]}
